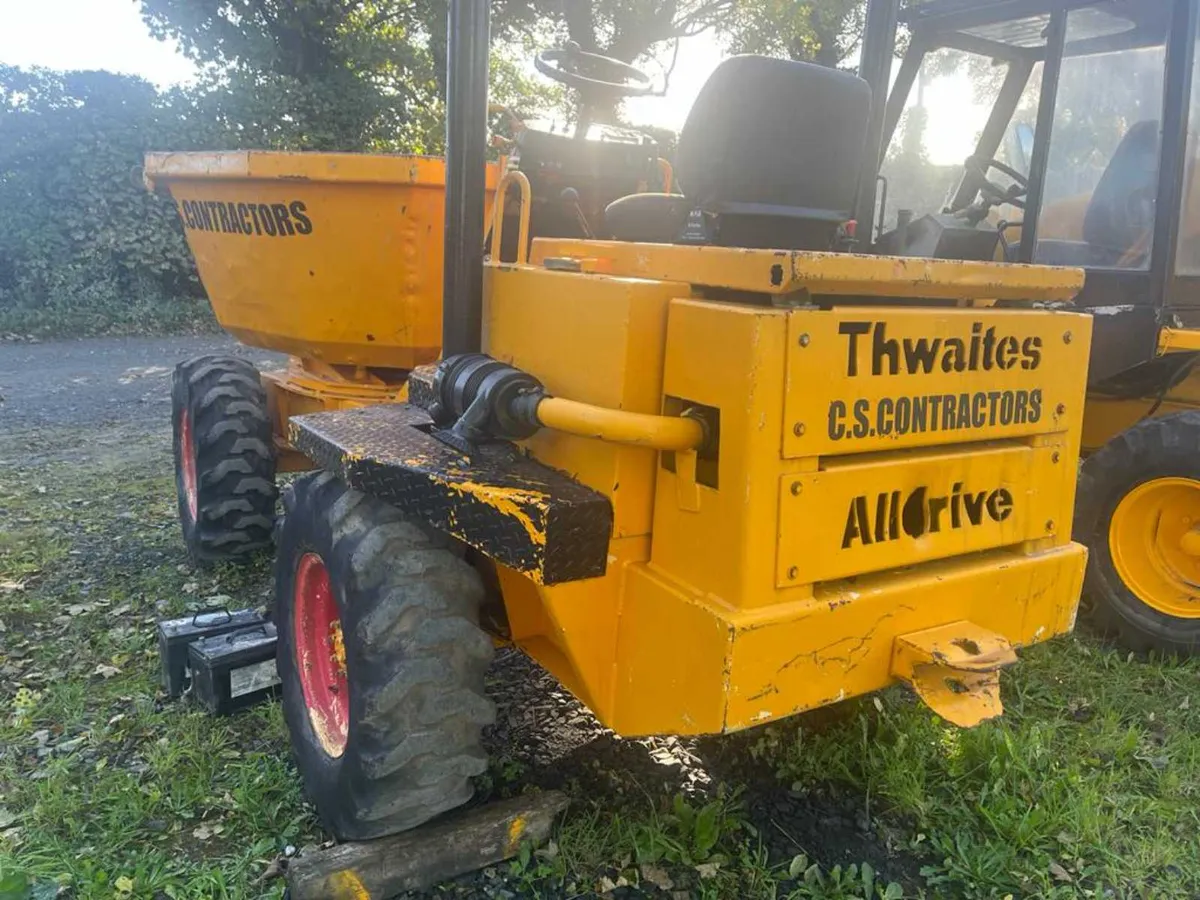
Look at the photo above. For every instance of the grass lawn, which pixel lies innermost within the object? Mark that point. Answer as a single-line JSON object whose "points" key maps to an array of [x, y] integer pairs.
{"points": [[1088, 787]]}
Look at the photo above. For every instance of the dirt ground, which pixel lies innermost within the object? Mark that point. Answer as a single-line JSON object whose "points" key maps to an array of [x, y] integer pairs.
{"points": [[1089, 787]]}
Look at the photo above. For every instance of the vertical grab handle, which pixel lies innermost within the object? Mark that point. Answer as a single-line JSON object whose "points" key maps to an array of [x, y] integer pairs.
{"points": [[506, 181]]}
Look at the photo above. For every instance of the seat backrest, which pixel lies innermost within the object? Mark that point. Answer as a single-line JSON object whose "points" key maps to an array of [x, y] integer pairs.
{"points": [[1121, 213], [785, 136]]}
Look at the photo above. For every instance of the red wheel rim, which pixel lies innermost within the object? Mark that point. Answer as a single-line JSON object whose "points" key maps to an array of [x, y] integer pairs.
{"points": [[187, 464], [321, 654]]}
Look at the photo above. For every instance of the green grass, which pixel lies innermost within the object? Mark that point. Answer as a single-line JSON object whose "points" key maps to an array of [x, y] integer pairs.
{"points": [[1088, 787]]}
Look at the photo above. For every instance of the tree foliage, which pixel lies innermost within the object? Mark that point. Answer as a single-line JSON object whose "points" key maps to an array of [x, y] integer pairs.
{"points": [[80, 235]]}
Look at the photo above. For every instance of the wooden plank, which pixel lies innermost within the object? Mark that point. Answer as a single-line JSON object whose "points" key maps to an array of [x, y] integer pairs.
{"points": [[419, 859]]}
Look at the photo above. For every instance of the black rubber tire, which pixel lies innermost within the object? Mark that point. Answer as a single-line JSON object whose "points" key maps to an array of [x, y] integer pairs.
{"points": [[234, 457], [1155, 448], [415, 662]]}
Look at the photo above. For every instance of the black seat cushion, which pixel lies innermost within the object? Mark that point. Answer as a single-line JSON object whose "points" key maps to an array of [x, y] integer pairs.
{"points": [[1120, 215], [767, 142], [647, 218]]}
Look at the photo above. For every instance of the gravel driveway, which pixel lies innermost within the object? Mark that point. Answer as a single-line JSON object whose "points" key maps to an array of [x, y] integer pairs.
{"points": [[100, 381]]}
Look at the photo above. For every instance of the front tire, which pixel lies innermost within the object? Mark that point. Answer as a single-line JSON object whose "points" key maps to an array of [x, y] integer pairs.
{"points": [[224, 458], [1138, 511], [381, 658]]}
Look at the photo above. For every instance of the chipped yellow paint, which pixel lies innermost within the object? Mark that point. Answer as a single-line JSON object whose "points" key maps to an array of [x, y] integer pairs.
{"points": [[346, 885], [508, 502], [516, 831]]}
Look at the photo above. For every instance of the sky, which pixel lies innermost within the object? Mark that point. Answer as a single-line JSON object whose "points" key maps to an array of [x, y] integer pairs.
{"points": [[110, 34], [87, 34]]}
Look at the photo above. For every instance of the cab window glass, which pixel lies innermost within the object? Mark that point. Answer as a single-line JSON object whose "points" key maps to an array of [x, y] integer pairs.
{"points": [[1187, 261], [1102, 172]]}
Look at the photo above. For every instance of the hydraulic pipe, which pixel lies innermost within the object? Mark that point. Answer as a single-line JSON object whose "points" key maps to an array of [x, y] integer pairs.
{"points": [[466, 163], [620, 427]]}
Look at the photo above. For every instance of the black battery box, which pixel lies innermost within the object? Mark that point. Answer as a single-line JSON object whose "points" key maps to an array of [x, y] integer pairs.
{"points": [[174, 635], [235, 670]]}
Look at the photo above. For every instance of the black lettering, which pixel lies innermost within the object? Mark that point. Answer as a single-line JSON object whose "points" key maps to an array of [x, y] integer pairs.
{"points": [[254, 216], [862, 425], [243, 214], [955, 357], [920, 412], [973, 503], [921, 354], [1000, 504], [1031, 350], [881, 518], [883, 416], [303, 222], [1021, 413], [882, 347], [1035, 405], [948, 418], [903, 414], [235, 224], [1006, 408], [964, 412], [858, 523], [283, 222], [935, 403], [913, 516], [973, 365], [837, 412], [937, 506], [264, 214], [978, 409], [956, 505], [206, 215], [185, 213], [989, 349], [1006, 353], [993, 406], [894, 517], [223, 213]]}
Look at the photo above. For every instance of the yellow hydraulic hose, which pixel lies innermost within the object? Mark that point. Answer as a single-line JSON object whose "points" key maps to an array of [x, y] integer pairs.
{"points": [[619, 427]]}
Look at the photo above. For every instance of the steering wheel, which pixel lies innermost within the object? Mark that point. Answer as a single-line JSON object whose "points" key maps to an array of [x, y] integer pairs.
{"points": [[975, 171], [592, 72]]}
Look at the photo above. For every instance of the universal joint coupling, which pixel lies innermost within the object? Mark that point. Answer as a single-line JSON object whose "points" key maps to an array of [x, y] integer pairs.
{"points": [[481, 398]]}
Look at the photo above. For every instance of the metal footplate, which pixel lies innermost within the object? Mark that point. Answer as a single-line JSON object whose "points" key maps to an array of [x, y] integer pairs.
{"points": [[515, 510], [955, 669]]}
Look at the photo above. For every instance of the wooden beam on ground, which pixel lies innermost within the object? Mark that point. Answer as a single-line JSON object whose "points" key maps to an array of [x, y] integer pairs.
{"points": [[418, 859]]}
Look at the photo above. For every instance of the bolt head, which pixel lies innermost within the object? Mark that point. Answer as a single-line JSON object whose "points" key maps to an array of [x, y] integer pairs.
{"points": [[804, 340], [1055, 457], [1060, 409], [798, 429], [1066, 337], [796, 488], [1050, 525], [793, 573]]}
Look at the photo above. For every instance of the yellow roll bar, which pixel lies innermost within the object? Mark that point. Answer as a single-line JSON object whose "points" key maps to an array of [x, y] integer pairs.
{"points": [[620, 427], [506, 181]]}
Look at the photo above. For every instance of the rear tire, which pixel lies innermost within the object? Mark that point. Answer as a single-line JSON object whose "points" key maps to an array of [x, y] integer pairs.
{"points": [[224, 458], [397, 737], [1137, 494]]}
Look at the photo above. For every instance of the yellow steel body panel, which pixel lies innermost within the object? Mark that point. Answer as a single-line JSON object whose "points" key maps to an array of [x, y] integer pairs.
{"points": [[1106, 417], [1178, 340], [699, 624], [903, 511], [835, 274], [332, 256], [877, 380]]}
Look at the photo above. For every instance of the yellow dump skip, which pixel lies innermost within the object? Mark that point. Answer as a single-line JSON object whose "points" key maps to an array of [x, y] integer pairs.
{"points": [[332, 256]]}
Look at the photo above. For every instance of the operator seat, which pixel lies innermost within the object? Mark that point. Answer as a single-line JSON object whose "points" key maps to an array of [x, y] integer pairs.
{"points": [[1120, 216], [769, 157]]}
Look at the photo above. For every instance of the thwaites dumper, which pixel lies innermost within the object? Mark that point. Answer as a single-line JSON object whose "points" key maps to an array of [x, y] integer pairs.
{"points": [[712, 472], [1087, 157]]}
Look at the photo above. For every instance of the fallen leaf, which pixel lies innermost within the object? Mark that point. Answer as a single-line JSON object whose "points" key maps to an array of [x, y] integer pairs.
{"points": [[658, 877], [9, 587], [1186, 704], [1059, 872], [708, 870], [105, 671], [124, 885], [191, 587]]}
